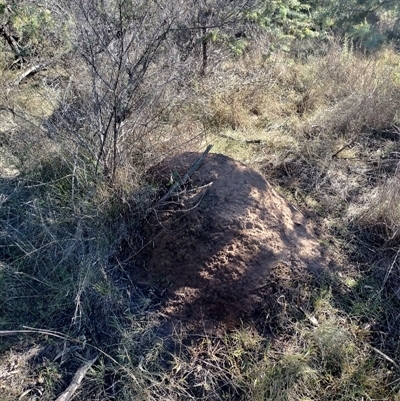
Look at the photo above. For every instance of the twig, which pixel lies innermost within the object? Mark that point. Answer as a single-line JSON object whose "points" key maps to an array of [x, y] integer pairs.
{"points": [[343, 148], [198, 202], [257, 141], [188, 191], [386, 357], [186, 177], [76, 380]]}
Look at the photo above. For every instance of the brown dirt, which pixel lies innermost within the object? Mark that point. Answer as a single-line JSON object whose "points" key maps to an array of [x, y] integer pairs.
{"points": [[217, 250]]}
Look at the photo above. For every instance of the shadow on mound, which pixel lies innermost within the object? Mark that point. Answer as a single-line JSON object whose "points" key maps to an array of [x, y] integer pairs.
{"points": [[219, 247]]}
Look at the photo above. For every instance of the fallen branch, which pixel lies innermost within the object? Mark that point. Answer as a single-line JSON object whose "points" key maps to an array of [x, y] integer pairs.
{"points": [[77, 380], [37, 68], [30, 71], [186, 177]]}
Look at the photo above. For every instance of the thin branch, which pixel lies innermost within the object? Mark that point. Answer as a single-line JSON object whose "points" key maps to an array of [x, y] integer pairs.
{"points": [[186, 177], [249, 141], [344, 147], [384, 356]]}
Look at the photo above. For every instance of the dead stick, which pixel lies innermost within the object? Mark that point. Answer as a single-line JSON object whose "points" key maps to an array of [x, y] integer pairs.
{"points": [[343, 148], [250, 141], [386, 357], [51, 333], [37, 68], [186, 177], [77, 380]]}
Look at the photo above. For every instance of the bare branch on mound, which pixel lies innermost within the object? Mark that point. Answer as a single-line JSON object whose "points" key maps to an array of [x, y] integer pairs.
{"points": [[76, 380], [186, 177]]}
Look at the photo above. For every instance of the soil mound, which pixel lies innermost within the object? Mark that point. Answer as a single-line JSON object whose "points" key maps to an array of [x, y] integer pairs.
{"points": [[218, 246]]}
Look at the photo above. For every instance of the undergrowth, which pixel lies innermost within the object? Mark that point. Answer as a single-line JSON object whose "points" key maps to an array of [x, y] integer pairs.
{"points": [[324, 131]]}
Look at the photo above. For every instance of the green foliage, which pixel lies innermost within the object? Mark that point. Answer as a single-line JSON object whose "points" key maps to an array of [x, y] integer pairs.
{"points": [[33, 28], [368, 23], [31, 23], [286, 17], [3, 6]]}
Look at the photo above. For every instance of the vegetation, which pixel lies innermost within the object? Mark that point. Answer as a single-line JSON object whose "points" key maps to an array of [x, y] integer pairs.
{"points": [[96, 93]]}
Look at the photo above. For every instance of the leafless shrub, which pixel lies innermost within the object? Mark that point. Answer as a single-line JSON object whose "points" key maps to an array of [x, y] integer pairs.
{"points": [[114, 104], [135, 62]]}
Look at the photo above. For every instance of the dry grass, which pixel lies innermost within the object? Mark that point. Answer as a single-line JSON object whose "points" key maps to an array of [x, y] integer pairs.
{"points": [[382, 215], [322, 127], [360, 93]]}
